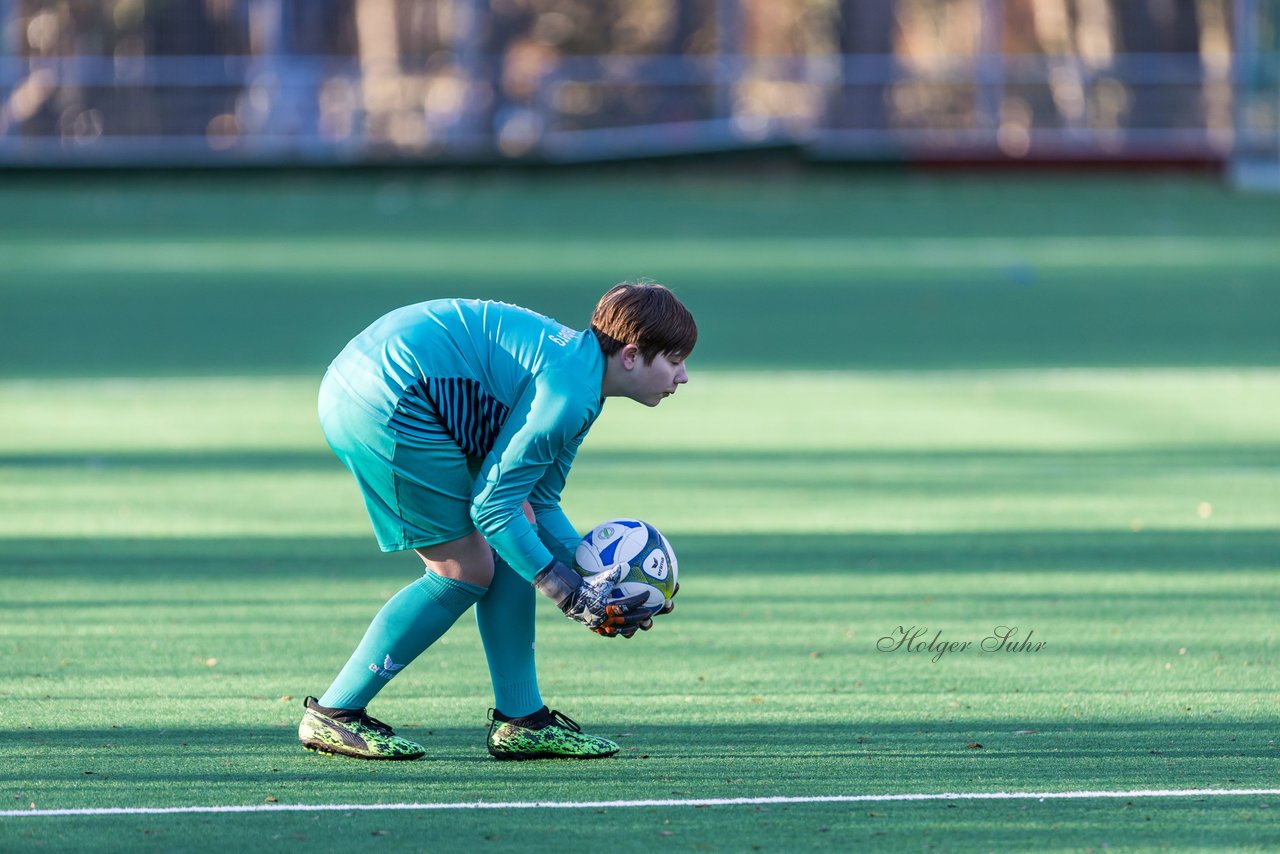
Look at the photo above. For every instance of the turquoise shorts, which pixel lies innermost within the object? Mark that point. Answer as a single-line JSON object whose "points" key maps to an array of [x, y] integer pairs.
{"points": [[416, 488]]}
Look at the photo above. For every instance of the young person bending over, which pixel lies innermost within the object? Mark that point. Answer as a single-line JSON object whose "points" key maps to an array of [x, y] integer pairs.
{"points": [[459, 420]]}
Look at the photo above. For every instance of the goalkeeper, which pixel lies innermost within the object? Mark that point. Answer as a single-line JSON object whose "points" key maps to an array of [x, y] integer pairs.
{"points": [[460, 420]]}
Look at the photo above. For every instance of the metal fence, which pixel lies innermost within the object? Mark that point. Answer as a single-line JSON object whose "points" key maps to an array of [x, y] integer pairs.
{"points": [[275, 107]]}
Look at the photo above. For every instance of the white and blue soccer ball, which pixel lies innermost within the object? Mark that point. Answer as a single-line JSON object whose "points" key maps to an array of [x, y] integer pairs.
{"points": [[651, 562]]}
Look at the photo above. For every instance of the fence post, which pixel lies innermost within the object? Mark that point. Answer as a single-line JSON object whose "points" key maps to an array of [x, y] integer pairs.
{"points": [[10, 54], [728, 54], [990, 67]]}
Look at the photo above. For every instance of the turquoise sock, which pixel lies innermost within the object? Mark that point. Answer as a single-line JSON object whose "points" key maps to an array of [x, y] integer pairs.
{"points": [[505, 618], [411, 621]]}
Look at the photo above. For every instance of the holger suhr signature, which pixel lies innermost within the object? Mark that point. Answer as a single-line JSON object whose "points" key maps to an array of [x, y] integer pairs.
{"points": [[917, 639]]}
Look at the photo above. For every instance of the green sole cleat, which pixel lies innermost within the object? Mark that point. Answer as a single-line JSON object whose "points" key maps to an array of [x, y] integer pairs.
{"points": [[351, 732], [543, 735]]}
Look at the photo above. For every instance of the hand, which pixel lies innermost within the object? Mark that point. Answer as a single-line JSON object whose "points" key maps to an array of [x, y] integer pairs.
{"points": [[588, 600], [667, 607]]}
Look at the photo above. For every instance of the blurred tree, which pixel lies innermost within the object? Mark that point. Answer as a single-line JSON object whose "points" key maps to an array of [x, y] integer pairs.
{"points": [[692, 29], [189, 28], [193, 27], [865, 30], [1166, 36], [378, 46], [319, 27], [302, 46]]}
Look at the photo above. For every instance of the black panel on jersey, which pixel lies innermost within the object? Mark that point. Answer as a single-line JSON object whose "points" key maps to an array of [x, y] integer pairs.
{"points": [[470, 415]]}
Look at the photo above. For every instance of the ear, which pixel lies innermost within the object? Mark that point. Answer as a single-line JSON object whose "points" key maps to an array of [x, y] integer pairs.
{"points": [[629, 354]]}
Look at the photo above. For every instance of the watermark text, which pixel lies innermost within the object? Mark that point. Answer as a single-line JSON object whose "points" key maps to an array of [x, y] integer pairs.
{"points": [[919, 639]]}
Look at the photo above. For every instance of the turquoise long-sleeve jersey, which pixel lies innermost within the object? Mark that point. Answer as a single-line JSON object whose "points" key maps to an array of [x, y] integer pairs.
{"points": [[515, 390]]}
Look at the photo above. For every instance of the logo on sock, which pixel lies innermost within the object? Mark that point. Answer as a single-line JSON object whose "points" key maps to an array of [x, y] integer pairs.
{"points": [[388, 669]]}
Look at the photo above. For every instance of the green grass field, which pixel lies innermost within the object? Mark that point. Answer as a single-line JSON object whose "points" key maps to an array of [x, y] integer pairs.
{"points": [[918, 404]]}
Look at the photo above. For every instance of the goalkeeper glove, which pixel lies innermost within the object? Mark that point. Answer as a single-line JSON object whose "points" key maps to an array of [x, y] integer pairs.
{"points": [[647, 624], [587, 600], [667, 607]]}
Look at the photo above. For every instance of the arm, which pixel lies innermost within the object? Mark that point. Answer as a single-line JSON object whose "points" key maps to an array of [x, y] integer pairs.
{"points": [[558, 534], [541, 423], [539, 429], [561, 539], [554, 528]]}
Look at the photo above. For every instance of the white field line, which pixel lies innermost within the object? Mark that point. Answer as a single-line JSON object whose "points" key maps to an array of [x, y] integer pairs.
{"points": [[658, 802]]}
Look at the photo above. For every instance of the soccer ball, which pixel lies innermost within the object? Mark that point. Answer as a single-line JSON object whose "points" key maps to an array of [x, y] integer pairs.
{"points": [[652, 567]]}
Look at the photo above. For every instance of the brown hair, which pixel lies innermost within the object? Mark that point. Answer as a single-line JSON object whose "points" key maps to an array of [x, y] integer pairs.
{"points": [[645, 314]]}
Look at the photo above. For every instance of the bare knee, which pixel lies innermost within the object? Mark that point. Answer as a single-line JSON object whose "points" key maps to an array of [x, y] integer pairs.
{"points": [[468, 559]]}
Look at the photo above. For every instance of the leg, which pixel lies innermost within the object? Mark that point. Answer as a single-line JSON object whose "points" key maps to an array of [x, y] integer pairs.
{"points": [[411, 621], [505, 619], [522, 726], [416, 491], [469, 560], [457, 574], [406, 625]]}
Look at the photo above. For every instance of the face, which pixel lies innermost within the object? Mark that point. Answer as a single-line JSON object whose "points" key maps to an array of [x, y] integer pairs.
{"points": [[654, 382]]}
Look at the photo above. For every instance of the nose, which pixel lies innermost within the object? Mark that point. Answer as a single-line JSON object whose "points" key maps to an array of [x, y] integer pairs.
{"points": [[682, 375]]}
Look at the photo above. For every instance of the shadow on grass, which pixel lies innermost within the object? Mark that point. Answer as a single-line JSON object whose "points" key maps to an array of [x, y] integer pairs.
{"points": [[272, 460], [181, 323], [177, 308], [141, 765], [707, 555], [749, 467]]}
